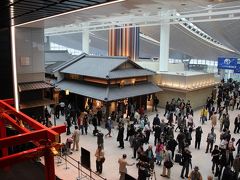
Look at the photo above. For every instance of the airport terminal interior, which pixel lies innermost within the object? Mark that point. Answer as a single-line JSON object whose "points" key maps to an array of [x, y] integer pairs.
{"points": [[120, 89]]}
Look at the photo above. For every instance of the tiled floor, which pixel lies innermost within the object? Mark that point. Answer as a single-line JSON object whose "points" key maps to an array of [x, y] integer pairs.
{"points": [[112, 152]]}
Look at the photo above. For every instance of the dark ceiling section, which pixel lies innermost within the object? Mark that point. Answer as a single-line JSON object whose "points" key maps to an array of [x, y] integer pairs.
{"points": [[29, 10], [4, 14]]}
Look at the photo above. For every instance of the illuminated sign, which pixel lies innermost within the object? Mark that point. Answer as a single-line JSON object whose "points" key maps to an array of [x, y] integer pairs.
{"points": [[227, 63]]}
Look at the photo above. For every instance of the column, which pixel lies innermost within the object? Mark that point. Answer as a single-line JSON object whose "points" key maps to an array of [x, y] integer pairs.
{"points": [[47, 43], [136, 41], [6, 75], [85, 41], [3, 135], [49, 165], [164, 44], [124, 42]]}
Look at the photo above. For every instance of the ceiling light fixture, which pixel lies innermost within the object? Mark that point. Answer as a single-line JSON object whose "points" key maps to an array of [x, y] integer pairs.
{"points": [[70, 12]]}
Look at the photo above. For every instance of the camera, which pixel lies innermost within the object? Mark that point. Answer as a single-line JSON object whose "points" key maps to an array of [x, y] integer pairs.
{"points": [[144, 170]]}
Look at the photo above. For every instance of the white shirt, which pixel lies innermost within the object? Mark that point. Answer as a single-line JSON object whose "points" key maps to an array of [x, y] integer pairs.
{"points": [[62, 104]]}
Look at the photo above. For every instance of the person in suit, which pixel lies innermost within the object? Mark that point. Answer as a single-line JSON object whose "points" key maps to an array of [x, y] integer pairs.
{"points": [[157, 134], [198, 137], [237, 124], [172, 144], [120, 136], [186, 162], [215, 159]]}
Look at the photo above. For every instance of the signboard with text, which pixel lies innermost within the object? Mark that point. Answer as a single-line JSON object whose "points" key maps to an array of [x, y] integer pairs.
{"points": [[227, 63], [237, 69]]}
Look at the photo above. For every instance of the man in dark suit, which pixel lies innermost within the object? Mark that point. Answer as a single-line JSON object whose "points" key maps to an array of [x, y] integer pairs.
{"points": [[237, 124]]}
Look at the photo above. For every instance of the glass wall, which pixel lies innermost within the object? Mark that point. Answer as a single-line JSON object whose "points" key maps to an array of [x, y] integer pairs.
{"points": [[54, 46]]}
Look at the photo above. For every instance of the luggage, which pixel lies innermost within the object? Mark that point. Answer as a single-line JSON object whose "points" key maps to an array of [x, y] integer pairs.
{"points": [[95, 132], [178, 158]]}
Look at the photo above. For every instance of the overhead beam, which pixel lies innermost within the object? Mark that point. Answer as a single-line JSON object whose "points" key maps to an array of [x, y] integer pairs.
{"points": [[57, 129], [14, 123], [30, 121], [23, 138], [144, 20], [9, 101], [22, 156]]}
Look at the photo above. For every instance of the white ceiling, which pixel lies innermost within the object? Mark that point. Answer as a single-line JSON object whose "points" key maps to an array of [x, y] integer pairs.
{"points": [[227, 32], [182, 43], [131, 7]]}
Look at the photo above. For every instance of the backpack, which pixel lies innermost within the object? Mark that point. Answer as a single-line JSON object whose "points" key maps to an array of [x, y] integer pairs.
{"points": [[233, 175], [195, 175], [210, 137]]}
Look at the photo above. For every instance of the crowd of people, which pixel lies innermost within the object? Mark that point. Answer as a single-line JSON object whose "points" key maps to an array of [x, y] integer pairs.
{"points": [[180, 114], [172, 132]]}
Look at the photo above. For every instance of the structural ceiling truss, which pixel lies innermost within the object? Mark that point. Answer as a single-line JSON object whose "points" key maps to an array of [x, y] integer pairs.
{"points": [[148, 19]]}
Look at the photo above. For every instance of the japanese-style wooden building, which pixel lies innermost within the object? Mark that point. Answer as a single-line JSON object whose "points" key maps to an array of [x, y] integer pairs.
{"points": [[106, 79]]}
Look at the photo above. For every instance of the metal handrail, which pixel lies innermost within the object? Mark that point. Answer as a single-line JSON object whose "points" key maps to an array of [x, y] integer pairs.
{"points": [[80, 169]]}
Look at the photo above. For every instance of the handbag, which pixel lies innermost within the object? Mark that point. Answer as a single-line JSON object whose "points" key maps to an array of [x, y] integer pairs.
{"points": [[168, 164], [103, 159]]}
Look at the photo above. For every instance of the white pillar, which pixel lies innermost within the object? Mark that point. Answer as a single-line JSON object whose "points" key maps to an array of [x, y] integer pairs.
{"points": [[85, 41], [164, 44], [229, 74]]}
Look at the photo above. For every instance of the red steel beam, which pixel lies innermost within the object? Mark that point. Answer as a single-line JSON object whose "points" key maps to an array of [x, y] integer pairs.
{"points": [[49, 166], [24, 138], [3, 135], [8, 101], [33, 123], [42, 133], [59, 129], [22, 156], [14, 123], [16, 126]]}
